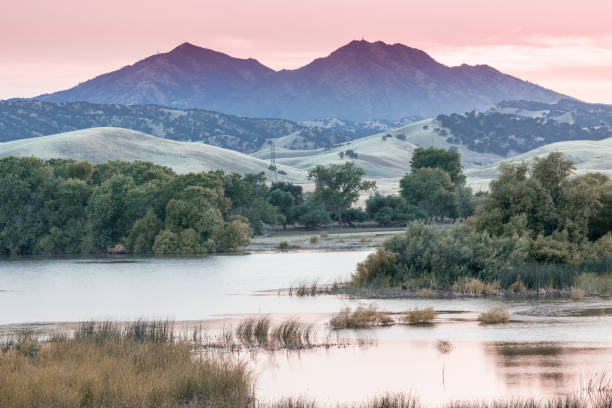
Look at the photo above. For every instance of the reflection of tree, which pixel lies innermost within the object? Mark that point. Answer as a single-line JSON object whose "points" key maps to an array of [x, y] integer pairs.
{"points": [[444, 347]]}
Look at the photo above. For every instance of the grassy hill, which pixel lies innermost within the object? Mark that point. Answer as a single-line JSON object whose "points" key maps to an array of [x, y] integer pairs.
{"points": [[383, 155], [588, 156], [108, 143]]}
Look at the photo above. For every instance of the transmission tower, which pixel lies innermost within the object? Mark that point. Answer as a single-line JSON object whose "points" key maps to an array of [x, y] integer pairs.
{"points": [[272, 166]]}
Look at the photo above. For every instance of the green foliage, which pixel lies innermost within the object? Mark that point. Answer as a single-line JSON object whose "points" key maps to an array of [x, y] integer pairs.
{"points": [[67, 207], [432, 190], [312, 215], [543, 203], [392, 209], [446, 160], [338, 186]]}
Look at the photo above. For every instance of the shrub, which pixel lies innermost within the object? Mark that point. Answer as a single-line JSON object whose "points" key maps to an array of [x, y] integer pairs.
{"points": [[362, 317], [284, 245], [314, 239], [376, 268], [323, 234], [420, 316], [495, 315], [518, 286]]}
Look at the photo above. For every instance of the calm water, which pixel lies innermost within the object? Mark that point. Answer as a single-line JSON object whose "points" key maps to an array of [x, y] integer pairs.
{"points": [[547, 349]]}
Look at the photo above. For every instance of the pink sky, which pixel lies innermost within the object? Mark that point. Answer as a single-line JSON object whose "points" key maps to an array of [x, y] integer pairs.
{"points": [[48, 45]]}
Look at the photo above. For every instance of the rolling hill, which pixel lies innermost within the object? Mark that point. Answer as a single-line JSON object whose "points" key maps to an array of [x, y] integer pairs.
{"points": [[107, 143], [384, 155], [588, 156], [359, 81]]}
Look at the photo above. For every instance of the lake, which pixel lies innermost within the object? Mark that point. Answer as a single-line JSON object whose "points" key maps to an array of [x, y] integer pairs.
{"points": [[551, 346]]}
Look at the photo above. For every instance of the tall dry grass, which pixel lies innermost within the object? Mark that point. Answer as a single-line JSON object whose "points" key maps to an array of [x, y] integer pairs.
{"points": [[360, 318], [110, 364]]}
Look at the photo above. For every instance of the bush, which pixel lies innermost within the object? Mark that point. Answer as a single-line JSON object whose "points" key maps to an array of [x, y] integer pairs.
{"points": [[375, 268], [420, 316], [495, 315], [314, 239], [362, 317]]}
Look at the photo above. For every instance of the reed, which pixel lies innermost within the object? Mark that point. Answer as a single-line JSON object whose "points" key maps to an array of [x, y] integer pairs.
{"points": [[110, 364]]}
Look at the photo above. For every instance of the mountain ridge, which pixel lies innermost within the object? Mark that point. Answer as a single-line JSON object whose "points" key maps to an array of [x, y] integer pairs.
{"points": [[359, 81]]}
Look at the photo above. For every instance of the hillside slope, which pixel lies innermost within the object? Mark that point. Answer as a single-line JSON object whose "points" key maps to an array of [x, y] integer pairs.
{"points": [[588, 156], [107, 143], [359, 81], [385, 155]]}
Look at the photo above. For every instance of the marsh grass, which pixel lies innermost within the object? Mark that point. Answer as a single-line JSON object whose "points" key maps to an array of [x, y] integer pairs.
{"points": [[577, 294], [427, 293], [304, 288], [289, 334], [420, 316], [495, 315], [360, 318], [594, 284], [110, 364]]}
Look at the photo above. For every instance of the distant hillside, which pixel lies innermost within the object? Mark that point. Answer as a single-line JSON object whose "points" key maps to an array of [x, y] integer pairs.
{"points": [[24, 119], [103, 144], [516, 127], [385, 154], [588, 156], [359, 81]]}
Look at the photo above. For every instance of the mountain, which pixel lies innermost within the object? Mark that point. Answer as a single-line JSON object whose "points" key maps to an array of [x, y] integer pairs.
{"points": [[359, 81], [107, 143], [24, 119]]}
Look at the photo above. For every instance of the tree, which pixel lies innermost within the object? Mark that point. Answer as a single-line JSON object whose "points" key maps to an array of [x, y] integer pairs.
{"points": [[432, 190], [312, 215], [285, 203], [447, 160], [338, 186], [80, 170]]}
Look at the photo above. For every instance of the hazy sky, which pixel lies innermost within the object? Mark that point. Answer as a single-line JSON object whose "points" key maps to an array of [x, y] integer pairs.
{"points": [[48, 45]]}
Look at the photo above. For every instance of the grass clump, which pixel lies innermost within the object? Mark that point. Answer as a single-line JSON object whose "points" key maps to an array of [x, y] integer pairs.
{"points": [[495, 315], [314, 239], [119, 365], [420, 316], [284, 245], [259, 331], [323, 234], [360, 318]]}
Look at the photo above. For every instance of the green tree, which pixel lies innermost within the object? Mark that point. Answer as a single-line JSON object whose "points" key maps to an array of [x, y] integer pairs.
{"points": [[338, 186], [447, 160], [81, 170], [141, 237], [432, 190]]}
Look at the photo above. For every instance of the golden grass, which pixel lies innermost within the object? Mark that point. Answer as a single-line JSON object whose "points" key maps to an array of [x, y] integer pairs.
{"points": [[495, 315], [427, 293], [109, 365], [360, 318], [577, 294], [594, 284], [420, 316]]}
